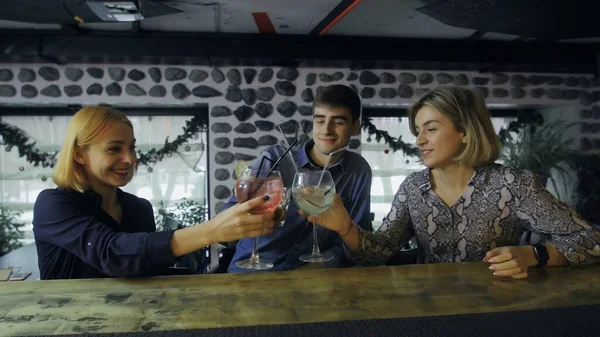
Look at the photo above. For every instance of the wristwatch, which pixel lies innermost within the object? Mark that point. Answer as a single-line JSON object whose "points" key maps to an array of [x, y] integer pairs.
{"points": [[541, 254]]}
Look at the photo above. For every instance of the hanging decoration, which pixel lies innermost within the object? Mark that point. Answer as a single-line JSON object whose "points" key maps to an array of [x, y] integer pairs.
{"points": [[192, 155], [532, 119], [395, 144], [15, 137], [192, 127], [12, 136]]}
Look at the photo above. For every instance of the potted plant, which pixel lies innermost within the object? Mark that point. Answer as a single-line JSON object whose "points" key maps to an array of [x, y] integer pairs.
{"points": [[540, 149], [10, 230], [588, 176], [183, 214]]}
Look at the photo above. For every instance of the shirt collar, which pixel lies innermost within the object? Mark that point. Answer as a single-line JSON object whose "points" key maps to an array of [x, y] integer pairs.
{"points": [[425, 185], [92, 196], [304, 158]]}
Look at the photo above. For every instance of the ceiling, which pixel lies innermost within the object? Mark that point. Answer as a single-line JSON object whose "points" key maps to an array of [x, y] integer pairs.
{"points": [[508, 19], [427, 26]]}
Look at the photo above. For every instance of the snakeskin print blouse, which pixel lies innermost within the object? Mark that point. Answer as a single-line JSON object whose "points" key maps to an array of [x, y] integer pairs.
{"points": [[498, 206]]}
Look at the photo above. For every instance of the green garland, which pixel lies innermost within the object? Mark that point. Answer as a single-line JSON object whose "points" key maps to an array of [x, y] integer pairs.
{"points": [[15, 137], [394, 143], [532, 119], [192, 127]]}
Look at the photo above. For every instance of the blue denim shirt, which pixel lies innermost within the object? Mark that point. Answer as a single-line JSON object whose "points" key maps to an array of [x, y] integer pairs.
{"points": [[283, 247], [75, 238]]}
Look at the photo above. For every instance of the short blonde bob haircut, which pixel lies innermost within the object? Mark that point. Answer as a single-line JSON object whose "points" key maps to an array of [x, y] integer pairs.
{"points": [[86, 125], [467, 111]]}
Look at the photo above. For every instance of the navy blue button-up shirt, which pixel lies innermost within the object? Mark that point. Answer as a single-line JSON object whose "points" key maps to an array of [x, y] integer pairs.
{"points": [[283, 247], [76, 238]]}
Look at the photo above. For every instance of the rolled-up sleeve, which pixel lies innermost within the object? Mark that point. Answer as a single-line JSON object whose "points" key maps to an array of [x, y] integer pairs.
{"points": [[59, 221], [377, 247], [540, 212]]}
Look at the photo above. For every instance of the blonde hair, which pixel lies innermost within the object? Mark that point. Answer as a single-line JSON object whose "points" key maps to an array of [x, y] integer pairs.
{"points": [[467, 111], [85, 126]]}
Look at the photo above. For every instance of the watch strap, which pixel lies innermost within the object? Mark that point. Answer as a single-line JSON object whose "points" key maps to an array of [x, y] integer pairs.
{"points": [[541, 254]]}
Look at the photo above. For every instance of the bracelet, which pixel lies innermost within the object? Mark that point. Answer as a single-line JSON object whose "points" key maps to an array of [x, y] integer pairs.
{"points": [[350, 230]]}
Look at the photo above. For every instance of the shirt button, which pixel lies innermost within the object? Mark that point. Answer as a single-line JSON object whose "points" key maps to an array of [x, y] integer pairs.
{"points": [[89, 243]]}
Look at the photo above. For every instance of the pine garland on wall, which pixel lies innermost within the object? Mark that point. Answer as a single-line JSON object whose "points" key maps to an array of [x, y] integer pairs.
{"points": [[396, 144], [13, 137]]}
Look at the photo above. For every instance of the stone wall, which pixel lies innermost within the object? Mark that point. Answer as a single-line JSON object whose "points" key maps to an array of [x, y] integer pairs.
{"points": [[247, 103]]}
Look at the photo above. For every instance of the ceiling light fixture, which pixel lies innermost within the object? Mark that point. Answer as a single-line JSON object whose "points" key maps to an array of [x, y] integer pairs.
{"points": [[116, 10]]}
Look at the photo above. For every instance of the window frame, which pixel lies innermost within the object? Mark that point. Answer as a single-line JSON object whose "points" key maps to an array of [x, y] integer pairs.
{"points": [[138, 111]]}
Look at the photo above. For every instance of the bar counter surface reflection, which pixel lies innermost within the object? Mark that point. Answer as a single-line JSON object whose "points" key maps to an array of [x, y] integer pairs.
{"points": [[62, 307]]}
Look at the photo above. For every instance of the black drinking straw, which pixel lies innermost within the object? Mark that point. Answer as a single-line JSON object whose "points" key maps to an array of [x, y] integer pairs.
{"points": [[281, 157], [260, 165], [274, 165], [251, 195]]}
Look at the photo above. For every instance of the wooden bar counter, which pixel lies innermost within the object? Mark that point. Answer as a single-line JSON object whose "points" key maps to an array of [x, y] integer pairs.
{"points": [[267, 298]]}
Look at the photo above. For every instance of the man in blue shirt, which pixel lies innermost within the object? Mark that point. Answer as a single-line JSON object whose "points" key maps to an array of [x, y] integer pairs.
{"points": [[336, 117]]}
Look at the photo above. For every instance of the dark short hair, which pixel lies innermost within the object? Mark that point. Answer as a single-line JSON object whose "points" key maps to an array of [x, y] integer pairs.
{"points": [[339, 96]]}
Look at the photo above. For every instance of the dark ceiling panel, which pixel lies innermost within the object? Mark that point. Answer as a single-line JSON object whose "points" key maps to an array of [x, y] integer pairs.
{"points": [[34, 11], [546, 20]]}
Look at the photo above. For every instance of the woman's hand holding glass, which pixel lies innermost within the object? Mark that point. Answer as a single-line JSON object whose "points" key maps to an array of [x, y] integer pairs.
{"points": [[252, 182], [335, 218], [237, 222]]}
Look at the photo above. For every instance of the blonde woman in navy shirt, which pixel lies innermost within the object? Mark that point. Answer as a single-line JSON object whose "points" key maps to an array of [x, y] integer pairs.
{"points": [[88, 227]]}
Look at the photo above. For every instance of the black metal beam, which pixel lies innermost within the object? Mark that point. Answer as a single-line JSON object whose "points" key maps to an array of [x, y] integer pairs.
{"points": [[75, 28], [308, 51], [341, 7], [475, 36], [136, 28], [598, 66]]}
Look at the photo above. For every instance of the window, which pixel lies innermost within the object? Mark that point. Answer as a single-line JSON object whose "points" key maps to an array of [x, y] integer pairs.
{"points": [[390, 170], [182, 175]]}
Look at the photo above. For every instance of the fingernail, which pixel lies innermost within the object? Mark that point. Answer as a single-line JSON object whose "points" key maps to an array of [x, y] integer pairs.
{"points": [[491, 260], [266, 197], [496, 273], [492, 268]]}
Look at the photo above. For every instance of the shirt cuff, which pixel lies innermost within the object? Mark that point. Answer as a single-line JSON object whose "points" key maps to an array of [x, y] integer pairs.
{"points": [[159, 247], [354, 257]]}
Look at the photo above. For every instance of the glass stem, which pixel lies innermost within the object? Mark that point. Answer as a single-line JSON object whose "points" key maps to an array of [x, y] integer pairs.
{"points": [[315, 250], [254, 257]]}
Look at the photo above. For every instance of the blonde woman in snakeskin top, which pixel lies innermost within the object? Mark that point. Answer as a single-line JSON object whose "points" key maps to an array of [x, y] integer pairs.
{"points": [[464, 207]]}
